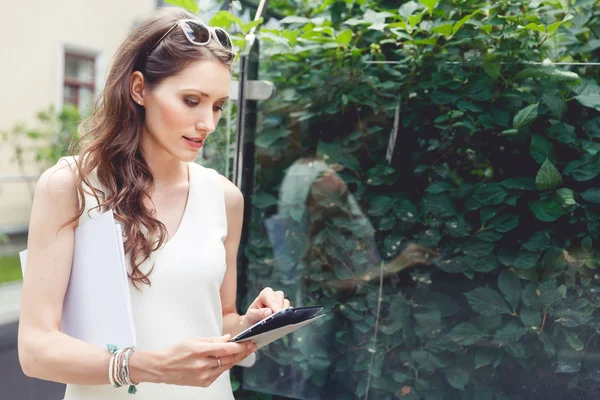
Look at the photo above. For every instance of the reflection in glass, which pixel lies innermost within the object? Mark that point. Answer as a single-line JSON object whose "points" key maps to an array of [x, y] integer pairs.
{"points": [[324, 252], [495, 175]]}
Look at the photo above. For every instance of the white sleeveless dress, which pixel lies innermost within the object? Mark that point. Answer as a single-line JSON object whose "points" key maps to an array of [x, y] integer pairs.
{"points": [[183, 301]]}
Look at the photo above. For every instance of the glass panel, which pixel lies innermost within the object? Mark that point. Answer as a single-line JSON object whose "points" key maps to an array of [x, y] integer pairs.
{"points": [[79, 68], [431, 181], [86, 98], [70, 94]]}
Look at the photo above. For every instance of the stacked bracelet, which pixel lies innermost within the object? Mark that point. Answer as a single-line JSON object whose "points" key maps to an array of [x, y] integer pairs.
{"points": [[118, 367]]}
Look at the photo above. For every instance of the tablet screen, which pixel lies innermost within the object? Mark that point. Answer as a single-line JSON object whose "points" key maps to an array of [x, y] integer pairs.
{"points": [[288, 316]]}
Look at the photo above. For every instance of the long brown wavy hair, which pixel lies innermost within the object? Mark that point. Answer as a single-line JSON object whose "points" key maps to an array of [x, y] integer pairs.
{"points": [[110, 137]]}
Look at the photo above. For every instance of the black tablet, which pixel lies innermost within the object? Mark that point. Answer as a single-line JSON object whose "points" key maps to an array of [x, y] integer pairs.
{"points": [[288, 316]]}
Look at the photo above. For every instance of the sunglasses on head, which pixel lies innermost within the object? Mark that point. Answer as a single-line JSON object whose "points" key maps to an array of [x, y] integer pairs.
{"points": [[198, 33]]}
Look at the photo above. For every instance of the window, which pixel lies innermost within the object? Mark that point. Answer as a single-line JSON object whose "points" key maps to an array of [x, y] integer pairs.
{"points": [[79, 81]]}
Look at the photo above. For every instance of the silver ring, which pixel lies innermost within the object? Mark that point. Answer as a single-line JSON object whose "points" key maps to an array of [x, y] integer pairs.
{"points": [[219, 362]]}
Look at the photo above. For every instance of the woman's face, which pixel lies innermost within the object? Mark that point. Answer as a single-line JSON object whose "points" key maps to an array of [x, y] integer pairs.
{"points": [[183, 110]]}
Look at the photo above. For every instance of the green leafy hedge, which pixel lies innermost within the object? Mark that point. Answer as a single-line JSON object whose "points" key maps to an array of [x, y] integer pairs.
{"points": [[497, 169]]}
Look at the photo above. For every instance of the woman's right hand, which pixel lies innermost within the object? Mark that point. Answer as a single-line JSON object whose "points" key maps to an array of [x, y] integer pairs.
{"points": [[195, 362]]}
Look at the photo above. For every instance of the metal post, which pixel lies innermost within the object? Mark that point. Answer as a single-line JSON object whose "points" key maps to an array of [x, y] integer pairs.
{"points": [[246, 118], [243, 173]]}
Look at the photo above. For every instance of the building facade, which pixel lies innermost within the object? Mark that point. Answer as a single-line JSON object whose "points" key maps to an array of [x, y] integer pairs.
{"points": [[53, 53]]}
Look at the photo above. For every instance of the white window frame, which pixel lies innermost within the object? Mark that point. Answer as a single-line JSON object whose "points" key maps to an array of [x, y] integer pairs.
{"points": [[99, 69]]}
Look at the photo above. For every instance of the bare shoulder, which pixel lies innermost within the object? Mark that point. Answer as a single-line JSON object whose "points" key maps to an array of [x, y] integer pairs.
{"points": [[57, 188], [57, 180], [233, 196], [232, 192]]}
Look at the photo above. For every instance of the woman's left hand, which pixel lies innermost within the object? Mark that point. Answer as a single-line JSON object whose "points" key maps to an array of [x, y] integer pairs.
{"points": [[267, 303]]}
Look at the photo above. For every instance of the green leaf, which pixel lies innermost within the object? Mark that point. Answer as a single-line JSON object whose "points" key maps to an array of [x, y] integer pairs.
{"points": [[438, 187], [263, 200], [573, 340], [517, 350], [444, 29], [549, 346], [380, 205], [535, 27], [484, 356], [441, 97], [430, 4], [584, 169], [526, 116], [591, 147], [293, 19], [573, 318], [505, 256], [547, 211], [550, 260], [519, 183], [564, 133], [591, 195], [539, 241], [356, 21], [457, 378], [490, 194], [566, 198], [491, 65], [380, 26], [586, 243], [526, 260], [344, 37], [527, 274], [489, 236], [550, 294], [190, 5], [268, 137], [487, 213], [407, 211], [510, 132], [589, 100], [487, 302], [439, 205], [592, 128], [548, 176], [414, 20], [224, 19], [549, 74], [504, 223], [247, 27], [556, 104], [407, 9], [459, 24], [541, 149], [510, 286], [427, 360], [553, 27], [381, 174], [487, 28], [509, 333], [531, 297], [465, 334], [531, 317]]}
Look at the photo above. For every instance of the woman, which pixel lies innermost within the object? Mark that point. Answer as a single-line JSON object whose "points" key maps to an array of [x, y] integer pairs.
{"points": [[326, 252], [182, 222]]}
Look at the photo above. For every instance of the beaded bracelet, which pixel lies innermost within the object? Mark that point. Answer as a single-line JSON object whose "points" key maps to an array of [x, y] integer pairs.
{"points": [[118, 367], [126, 378]]}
